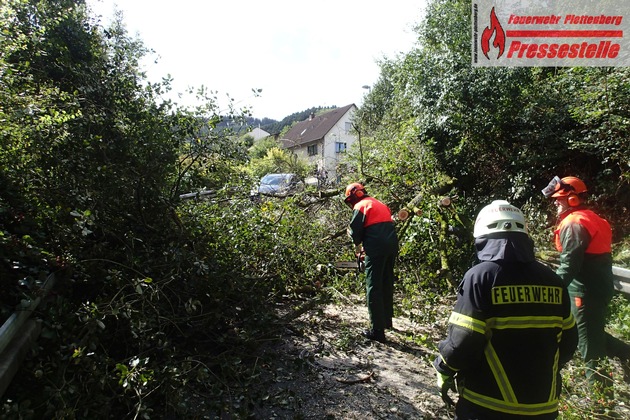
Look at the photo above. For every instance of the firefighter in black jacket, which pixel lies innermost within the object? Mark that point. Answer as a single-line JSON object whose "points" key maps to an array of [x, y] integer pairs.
{"points": [[511, 330], [372, 230]]}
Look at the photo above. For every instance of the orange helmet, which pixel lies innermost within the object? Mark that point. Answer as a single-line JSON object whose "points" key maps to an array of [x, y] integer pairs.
{"points": [[352, 189], [354, 193], [569, 185]]}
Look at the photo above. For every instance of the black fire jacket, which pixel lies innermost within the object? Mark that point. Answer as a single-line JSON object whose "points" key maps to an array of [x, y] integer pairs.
{"points": [[510, 333]]}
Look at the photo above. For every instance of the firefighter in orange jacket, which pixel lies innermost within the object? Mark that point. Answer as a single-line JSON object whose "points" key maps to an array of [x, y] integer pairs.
{"points": [[511, 329], [372, 230], [584, 240]]}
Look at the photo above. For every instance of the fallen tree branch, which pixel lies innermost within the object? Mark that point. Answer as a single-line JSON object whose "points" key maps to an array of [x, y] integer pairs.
{"points": [[307, 306], [334, 235], [339, 294], [366, 378]]}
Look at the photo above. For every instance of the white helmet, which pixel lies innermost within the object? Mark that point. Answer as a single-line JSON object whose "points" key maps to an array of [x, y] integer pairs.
{"points": [[499, 216]]}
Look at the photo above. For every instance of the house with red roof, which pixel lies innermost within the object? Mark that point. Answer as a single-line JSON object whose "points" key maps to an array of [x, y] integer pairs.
{"points": [[323, 140]]}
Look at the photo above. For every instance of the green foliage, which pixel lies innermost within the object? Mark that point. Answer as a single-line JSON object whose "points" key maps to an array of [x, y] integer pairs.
{"points": [[160, 303], [619, 318], [248, 141], [433, 125], [580, 400], [239, 236], [346, 339], [278, 160], [601, 109], [399, 167], [503, 132], [621, 253], [260, 149], [143, 317]]}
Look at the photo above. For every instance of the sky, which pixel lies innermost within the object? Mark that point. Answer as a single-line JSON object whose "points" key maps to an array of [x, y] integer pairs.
{"points": [[299, 54]]}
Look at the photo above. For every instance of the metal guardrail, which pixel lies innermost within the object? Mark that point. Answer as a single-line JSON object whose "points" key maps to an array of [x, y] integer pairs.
{"points": [[621, 276], [621, 280], [199, 194], [12, 325], [18, 333]]}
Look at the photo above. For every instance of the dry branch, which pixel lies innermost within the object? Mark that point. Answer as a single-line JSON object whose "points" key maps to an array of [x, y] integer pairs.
{"points": [[366, 378]]}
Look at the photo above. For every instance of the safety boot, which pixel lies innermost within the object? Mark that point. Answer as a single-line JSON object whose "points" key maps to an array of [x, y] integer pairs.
{"points": [[375, 335]]}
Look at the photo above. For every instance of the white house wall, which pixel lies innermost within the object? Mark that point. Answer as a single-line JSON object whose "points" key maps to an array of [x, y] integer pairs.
{"points": [[337, 134]]}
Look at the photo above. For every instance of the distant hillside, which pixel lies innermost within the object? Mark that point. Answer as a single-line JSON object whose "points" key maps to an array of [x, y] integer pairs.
{"points": [[273, 126]]}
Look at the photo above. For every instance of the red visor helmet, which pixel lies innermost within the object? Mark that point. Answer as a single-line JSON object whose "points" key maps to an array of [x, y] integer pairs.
{"points": [[354, 193], [569, 187]]}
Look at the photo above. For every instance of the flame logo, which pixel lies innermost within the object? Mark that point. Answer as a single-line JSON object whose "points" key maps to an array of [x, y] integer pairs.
{"points": [[495, 29]]}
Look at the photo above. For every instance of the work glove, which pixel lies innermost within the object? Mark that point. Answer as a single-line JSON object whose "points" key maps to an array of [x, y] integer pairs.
{"points": [[445, 383]]}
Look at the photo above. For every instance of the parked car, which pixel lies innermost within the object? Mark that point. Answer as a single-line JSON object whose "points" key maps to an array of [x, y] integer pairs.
{"points": [[280, 185]]}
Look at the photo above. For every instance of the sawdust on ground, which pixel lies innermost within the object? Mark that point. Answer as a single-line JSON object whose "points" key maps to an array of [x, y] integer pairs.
{"points": [[325, 369], [322, 368]]}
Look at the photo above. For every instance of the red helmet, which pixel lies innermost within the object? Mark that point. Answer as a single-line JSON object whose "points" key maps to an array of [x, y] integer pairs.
{"points": [[354, 193], [569, 185]]}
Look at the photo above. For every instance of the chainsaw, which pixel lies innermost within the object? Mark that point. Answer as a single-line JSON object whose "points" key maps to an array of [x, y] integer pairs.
{"points": [[358, 264]]}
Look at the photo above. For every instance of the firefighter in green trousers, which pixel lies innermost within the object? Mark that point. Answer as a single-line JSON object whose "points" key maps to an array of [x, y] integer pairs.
{"points": [[584, 240], [372, 230]]}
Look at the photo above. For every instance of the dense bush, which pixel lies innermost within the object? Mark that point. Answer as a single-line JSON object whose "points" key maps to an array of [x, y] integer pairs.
{"points": [[499, 132], [149, 302], [159, 301]]}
